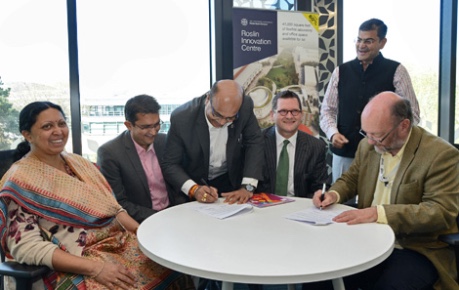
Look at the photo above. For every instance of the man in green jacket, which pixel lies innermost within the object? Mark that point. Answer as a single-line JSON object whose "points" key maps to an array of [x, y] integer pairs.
{"points": [[409, 179]]}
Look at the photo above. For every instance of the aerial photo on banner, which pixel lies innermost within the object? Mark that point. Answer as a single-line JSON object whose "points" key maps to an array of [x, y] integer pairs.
{"points": [[275, 51]]}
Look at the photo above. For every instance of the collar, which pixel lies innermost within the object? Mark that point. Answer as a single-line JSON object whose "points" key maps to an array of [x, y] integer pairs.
{"points": [[139, 148], [280, 139]]}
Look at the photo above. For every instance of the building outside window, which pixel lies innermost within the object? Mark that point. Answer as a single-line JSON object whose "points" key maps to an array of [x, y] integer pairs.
{"points": [[142, 52]]}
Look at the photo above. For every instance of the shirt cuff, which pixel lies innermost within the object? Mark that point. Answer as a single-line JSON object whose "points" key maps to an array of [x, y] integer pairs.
{"points": [[187, 186], [331, 132], [48, 257], [382, 218], [337, 194], [251, 181]]}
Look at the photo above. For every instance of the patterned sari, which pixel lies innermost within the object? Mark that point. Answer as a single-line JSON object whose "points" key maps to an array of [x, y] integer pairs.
{"points": [[78, 215]]}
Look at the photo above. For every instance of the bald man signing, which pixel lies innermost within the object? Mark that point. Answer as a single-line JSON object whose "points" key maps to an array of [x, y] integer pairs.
{"points": [[214, 146], [407, 178]]}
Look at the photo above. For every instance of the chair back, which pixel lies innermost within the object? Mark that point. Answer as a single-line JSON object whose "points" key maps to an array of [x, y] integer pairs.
{"points": [[6, 160], [25, 275]]}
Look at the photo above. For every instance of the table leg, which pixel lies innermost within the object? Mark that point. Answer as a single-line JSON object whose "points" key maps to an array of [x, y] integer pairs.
{"points": [[227, 285], [291, 286], [338, 284]]}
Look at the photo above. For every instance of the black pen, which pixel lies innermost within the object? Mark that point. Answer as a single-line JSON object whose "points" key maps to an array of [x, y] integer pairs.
{"points": [[205, 182], [322, 196]]}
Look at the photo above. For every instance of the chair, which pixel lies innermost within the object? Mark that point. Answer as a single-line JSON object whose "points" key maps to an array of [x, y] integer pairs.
{"points": [[6, 160], [453, 241], [24, 274]]}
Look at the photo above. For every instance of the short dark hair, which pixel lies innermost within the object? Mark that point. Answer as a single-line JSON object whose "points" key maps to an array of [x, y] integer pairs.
{"points": [[285, 95], [27, 118], [144, 104], [374, 24], [28, 115], [402, 110]]}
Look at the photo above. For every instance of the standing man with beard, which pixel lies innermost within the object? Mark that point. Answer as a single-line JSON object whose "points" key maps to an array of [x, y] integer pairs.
{"points": [[350, 87], [407, 178]]}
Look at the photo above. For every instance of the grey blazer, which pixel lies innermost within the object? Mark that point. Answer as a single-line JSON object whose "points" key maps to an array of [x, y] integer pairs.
{"points": [[121, 166], [309, 170], [188, 145]]}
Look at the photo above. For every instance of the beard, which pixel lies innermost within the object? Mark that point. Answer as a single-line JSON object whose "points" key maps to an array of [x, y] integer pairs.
{"points": [[392, 148]]}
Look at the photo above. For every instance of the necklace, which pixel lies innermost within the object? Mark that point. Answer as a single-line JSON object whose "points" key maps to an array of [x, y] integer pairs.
{"points": [[68, 169], [389, 178]]}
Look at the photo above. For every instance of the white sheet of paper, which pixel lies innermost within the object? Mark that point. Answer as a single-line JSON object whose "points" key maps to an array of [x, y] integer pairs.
{"points": [[222, 211], [315, 216]]}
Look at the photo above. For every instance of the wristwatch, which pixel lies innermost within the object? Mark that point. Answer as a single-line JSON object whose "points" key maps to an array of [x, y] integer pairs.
{"points": [[249, 187]]}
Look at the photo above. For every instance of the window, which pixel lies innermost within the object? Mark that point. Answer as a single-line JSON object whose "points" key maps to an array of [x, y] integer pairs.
{"points": [[456, 116], [412, 39], [141, 52], [34, 61]]}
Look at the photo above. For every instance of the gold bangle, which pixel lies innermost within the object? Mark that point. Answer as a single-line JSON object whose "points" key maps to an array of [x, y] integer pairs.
{"points": [[121, 210], [100, 271], [192, 191]]}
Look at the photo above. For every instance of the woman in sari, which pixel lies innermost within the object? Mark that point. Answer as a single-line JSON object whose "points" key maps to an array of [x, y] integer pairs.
{"points": [[56, 209]]}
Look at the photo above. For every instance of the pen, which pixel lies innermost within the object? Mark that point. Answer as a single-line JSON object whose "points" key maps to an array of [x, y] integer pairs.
{"points": [[322, 196], [206, 184], [204, 181]]}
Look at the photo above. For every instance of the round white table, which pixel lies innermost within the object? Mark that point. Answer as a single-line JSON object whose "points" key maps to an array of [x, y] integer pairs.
{"points": [[262, 247]]}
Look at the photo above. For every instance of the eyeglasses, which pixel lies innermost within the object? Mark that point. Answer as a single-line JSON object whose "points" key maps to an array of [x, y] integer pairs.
{"points": [[366, 41], [285, 112], [218, 116], [364, 134], [149, 127]]}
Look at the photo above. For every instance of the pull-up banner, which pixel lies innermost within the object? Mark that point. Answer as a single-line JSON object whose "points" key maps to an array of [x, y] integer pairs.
{"points": [[255, 35], [274, 51]]}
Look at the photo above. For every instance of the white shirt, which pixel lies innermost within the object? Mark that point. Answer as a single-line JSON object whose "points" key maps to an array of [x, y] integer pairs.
{"points": [[217, 150], [217, 155]]}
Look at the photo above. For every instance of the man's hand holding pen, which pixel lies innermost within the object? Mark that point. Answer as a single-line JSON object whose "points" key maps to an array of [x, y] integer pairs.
{"points": [[206, 193], [322, 195], [323, 198]]}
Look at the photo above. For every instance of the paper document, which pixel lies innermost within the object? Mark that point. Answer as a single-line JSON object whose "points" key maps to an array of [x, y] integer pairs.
{"points": [[315, 216], [222, 211]]}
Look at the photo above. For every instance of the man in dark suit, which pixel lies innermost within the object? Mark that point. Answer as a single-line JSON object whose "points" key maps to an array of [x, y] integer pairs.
{"points": [[214, 148], [307, 170], [131, 161], [215, 139]]}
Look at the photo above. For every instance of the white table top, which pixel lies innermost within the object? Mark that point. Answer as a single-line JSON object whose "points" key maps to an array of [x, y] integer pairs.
{"points": [[262, 246]]}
